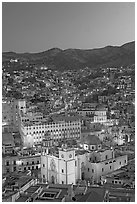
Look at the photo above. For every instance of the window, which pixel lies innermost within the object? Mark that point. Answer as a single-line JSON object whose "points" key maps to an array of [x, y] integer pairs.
{"points": [[75, 163], [125, 161], [92, 170], [102, 169], [120, 163], [24, 168], [29, 168], [43, 176], [110, 167], [62, 171], [112, 181], [36, 167], [7, 163], [14, 168], [32, 162], [88, 169], [106, 157], [119, 182], [7, 170], [43, 165], [62, 182], [115, 181], [32, 167], [92, 147], [27, 163], [37, 162]]}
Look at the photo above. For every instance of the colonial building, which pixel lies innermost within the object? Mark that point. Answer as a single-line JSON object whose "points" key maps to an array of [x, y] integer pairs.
{"points": [[30, 162], [67, 166], [33, 126], [97, 114], [9, 163], [86, 112], [100, 115], [60, 127]]}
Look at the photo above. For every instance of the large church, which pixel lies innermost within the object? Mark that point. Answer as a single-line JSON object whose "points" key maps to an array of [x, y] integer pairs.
{"points": [[67, 166]]}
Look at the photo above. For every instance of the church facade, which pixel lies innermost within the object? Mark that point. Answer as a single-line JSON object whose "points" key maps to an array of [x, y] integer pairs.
{"points": [[69, 165], [59, 169]]}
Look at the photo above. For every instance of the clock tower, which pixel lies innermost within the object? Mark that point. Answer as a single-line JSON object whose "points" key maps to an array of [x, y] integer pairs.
{"points": [[66, 166]]}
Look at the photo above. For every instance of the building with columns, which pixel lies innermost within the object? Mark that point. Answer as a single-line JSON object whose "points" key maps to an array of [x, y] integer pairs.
{"points": [[60, 127], [34, 126]]}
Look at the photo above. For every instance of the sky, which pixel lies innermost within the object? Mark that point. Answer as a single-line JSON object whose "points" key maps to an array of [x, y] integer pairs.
{"points": [[35, 27]]}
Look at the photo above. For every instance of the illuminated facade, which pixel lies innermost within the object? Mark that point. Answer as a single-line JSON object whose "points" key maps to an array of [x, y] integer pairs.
{"points": [[60, 128], [69, 165]]}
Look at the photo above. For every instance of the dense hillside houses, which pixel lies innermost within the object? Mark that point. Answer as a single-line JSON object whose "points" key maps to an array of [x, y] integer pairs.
{"points": [[68, 135]]}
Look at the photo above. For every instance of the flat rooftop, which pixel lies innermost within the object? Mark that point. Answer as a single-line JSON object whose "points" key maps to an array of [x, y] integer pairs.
{"points": [[18, 180], [115, 173], [80, 152], [48, 193], [23, 181], [32, 189], [22, 198], [65, 118], [123, 173]]}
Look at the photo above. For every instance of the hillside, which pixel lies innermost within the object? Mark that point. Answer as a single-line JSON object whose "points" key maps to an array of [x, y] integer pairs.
{"points": [[77, 58]]}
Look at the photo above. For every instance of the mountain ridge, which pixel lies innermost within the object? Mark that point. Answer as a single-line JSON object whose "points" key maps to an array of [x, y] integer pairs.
{"points": [[57, 58]]}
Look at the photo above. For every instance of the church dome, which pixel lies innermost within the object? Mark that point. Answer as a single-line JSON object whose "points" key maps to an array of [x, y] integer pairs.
{"points": [[92, 140]]}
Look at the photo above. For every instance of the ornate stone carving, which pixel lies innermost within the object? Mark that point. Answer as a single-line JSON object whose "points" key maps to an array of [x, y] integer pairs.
{"points": [[52, 165]]}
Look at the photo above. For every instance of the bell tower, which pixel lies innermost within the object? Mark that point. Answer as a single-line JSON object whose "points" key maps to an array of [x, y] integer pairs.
{"points": [[67, 166]]}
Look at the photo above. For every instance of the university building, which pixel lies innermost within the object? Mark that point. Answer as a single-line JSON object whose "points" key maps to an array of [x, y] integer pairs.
{"points": [[34, 126], [58, 128]]}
